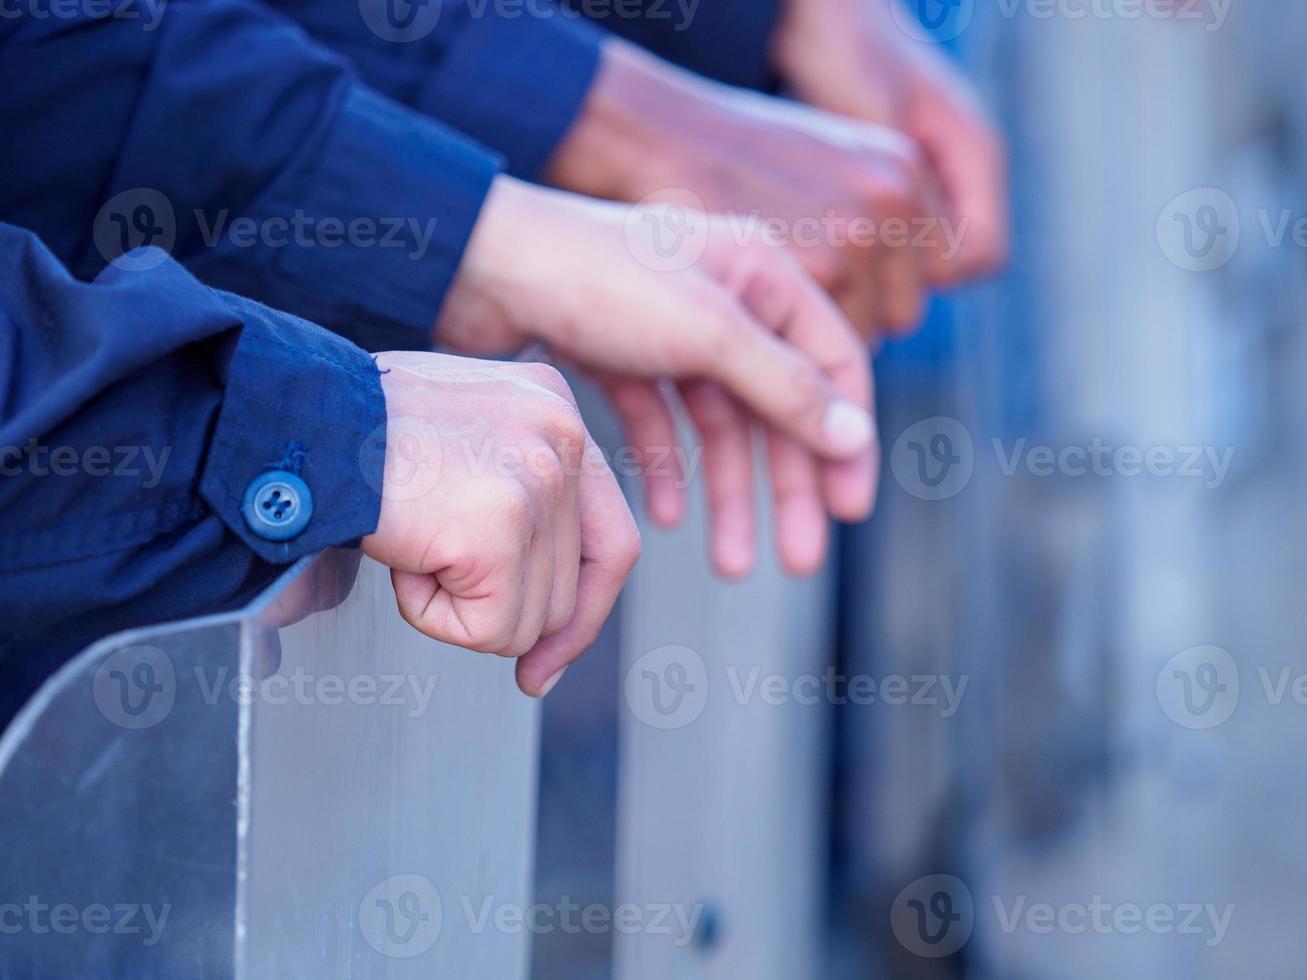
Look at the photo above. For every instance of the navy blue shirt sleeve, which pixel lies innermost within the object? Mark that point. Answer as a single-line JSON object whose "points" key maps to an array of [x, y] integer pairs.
{"points": [[729, 40], [511, 79], [134, 412], [221, 132]]}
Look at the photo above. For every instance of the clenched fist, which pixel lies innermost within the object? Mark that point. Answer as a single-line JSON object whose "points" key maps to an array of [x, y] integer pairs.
{"points": [[504, 528]]}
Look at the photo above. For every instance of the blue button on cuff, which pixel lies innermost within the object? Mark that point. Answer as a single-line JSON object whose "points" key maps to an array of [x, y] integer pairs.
{"points": [[277, 505]]}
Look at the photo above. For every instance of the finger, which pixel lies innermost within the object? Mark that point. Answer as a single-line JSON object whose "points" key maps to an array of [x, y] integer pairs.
{"points": [[651, 430], [970, 161], [556, 475], [899, 280], [781, 384], [802, 528], [727, 439], [540, 572], [858, 297], [807, 320], [901, 264], [484, 623], [610, 547], [941, 265], [477, 602], [566, 555]]}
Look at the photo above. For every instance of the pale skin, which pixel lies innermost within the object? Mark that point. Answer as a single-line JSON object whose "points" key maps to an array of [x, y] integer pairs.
{"points": [[650, 131], [748, 339], [853, 58], [501, 535], [891, 133], [503, 526], [889, 143], [527, 563]]}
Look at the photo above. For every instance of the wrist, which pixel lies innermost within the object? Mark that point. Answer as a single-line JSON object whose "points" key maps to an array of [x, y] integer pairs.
{"points": [[628, 139], [531, 248]]}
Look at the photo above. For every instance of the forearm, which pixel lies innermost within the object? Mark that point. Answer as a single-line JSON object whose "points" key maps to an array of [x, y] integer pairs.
{"points": [[266, 165]]}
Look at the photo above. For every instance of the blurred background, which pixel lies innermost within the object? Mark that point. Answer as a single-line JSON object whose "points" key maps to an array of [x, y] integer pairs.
{"points": [[1040, 717]]}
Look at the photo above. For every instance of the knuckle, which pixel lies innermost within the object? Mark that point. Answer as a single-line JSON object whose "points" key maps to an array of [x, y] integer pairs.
{"points": [[559, 617], [630, 547], [513, 511], [498, 642], [549, 473], [491, 632], [515, 648], [719, 336], [564, 428], [806, 388], [548, 377]]}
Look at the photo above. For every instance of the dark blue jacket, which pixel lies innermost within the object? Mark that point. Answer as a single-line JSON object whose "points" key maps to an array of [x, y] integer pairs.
{"points": [[251, 153], [513, 74], [221, 133], [135, 410], [729, 40], [218, 131], [493, 69]]}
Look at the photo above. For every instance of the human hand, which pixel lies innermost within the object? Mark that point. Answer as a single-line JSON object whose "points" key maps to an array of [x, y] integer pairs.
{"points": [[744, 333], [852, 201], [502, 524], [855, 58]]}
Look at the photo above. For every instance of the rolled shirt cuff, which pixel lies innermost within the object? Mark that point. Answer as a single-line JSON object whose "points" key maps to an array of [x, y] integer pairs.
{"points": [[302, 406]]}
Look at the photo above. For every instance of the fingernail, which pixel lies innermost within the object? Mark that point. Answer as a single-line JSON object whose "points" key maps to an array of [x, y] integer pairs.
{"points": [[848, 428], [550, 684]]}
